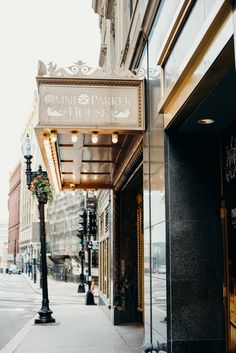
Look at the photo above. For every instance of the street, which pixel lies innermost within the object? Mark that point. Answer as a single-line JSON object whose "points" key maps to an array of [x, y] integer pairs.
{"points": [[78, 327], [20, 300], [18, 303]]}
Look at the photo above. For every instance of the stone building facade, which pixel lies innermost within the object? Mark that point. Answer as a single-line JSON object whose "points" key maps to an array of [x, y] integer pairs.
{"points": [[14, 215]]}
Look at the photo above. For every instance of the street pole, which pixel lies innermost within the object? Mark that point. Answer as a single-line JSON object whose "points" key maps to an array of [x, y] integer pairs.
{"points": [[81, 288], [44, 312], [89, 295], [81, 233], [15, 252], [89, 267], [42, 197], [34, 269]]}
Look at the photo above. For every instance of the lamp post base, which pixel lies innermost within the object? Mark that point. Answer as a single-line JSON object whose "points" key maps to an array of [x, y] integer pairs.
{"points": [[89, 298], [81, 288], [44, 317]]}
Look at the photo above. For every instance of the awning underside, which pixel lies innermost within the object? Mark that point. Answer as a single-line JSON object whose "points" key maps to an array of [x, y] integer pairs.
{"points": [[84, 164]]}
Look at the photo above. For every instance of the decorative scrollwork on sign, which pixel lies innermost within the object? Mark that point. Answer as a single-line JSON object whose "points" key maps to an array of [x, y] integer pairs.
{"points": [[81, 69], [78, 69], [230, 163], [142, 72]]}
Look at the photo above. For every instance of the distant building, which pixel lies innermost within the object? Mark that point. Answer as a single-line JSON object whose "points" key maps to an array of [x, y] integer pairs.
{"points": [[63, 245], [14, 215], [3, 244]]}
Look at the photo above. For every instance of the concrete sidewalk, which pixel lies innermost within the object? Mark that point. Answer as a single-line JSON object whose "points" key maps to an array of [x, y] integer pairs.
{"points": [[78, 329], [58, 287]]}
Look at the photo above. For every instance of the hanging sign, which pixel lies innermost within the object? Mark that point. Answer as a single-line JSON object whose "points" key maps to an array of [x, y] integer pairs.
{"points": [[92, 104]]}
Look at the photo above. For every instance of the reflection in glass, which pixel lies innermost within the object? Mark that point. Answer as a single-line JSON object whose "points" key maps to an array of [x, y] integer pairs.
{"points": [[154, 206], [186, 39]]}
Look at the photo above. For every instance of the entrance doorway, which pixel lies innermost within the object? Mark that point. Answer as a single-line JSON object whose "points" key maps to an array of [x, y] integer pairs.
{"points": [[129, 274]]}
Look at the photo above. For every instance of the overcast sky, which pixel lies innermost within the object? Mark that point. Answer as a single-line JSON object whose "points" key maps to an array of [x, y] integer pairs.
{"points": [[61, 31]]}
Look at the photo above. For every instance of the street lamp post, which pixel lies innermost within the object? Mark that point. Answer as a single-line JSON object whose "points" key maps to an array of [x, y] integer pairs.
{"points": [[91, 231], [34, 270], [81, 233], [15, 252], [45, 312], [89, 295]]}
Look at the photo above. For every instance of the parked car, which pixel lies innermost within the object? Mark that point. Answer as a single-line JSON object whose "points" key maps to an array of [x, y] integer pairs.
{"points": [[14, 271]]}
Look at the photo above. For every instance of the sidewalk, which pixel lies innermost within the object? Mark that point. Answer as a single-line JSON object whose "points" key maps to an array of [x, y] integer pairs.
{"points": [[78, 329], [62, 288]]}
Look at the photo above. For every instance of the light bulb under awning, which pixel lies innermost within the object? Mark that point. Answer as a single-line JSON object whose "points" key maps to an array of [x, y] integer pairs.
{"points": [[114, 137], [74, 136], [53, 136], [94, 137]]}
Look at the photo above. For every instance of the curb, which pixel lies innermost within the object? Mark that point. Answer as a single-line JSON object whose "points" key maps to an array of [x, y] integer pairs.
{"points": [[12, 345], [38, 291]]}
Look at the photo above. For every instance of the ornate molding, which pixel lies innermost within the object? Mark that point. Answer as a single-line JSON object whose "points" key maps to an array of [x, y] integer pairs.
{"points": [[81, 70], [144, 73]]}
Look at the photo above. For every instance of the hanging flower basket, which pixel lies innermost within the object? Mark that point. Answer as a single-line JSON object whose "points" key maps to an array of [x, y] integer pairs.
{"points": [[40, 185]]}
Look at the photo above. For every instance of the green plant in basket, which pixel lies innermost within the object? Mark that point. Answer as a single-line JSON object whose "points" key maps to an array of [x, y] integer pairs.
{"points": [[39, 185]]}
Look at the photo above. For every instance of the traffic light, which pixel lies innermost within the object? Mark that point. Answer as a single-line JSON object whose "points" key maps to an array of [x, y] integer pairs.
{"points": [[82, 254], [82, 230], [92, 223], [80, 236]]}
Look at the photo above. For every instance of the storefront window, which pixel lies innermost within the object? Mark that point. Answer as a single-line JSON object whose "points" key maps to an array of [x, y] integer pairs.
{"points": [[104, 243], [154, 206], [104, 275], [185, 42], [160, 28]]}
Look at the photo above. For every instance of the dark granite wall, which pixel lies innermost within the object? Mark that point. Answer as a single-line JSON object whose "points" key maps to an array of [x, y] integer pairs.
{"points": [[194, 244]]}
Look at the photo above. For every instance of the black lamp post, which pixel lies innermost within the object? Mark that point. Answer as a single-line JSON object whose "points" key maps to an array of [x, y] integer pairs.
{"points": [[44, 313], [34, 270], [81, 234], [91, 231]]}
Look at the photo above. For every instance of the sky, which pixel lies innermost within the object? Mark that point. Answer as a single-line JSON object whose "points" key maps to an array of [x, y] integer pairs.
{"points": [[60, 31]]}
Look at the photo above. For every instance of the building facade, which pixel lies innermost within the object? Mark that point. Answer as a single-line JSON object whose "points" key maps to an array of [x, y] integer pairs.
{"points": [[169, 250], [3, 245], [14, 215], [186, 52]]}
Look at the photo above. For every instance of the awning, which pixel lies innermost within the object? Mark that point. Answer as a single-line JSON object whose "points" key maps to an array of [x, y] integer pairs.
{"points": [[88, 127]]}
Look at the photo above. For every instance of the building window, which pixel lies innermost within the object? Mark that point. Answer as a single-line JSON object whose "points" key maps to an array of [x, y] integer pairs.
{"points": [[101, 225], [104, 267], [107, 219]]}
